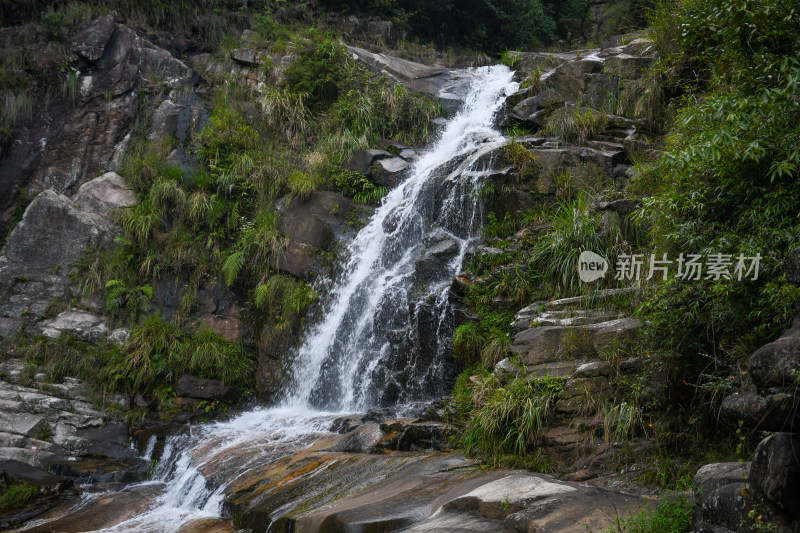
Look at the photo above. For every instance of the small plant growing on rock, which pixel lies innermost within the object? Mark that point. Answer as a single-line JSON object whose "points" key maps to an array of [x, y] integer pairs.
{"points": [[121, 300]]}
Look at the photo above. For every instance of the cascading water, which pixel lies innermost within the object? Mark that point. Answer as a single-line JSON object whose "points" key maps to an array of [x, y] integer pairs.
{"points": [[347, 358], [335, 367]]}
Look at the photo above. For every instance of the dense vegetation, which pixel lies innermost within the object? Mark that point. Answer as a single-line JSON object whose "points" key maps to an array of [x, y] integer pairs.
{"points": [[496, 25], [724, 182]]}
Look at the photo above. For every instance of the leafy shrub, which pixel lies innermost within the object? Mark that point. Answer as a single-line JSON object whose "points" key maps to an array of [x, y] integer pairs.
{"points": [[316, 72], [269, 29]]}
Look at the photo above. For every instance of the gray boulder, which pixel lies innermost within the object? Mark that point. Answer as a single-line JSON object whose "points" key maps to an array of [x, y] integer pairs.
{"points": [[776, 366], [389, 172], [81, 324], [363, 160], [776, 472], [712, 476], [55, 231], [205, 389], [91, 42]]}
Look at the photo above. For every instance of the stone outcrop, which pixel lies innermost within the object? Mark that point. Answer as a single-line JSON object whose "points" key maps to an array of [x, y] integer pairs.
{"points": [[110, 64], [52, 435], [774, 405], [54, 233], [771, 488], [313, 225]]}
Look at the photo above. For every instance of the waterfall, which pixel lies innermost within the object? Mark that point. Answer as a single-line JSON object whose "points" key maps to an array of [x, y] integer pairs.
{"points": [[334, 368], [346, 358]]}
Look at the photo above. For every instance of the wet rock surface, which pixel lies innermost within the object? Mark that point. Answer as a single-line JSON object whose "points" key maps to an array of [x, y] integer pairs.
{"points": [[334, 486]]}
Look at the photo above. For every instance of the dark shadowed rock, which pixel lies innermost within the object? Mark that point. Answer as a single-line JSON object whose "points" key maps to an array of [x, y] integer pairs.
{"points": [[793, 267], [776, 472], [91, 42], [771, 412], [734, 506], [206, 389], [777, 365], [15, 471], [268, 374], [316, 221], [363, 160]]}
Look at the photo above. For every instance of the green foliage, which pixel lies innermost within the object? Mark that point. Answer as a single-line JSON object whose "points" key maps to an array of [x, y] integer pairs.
{"points": [[572, 230], [621, 422], [285, 300], [523, 160], [509, 59], [503, 423], [159, 351], [18, 495], [269, 29], [317, 71], [130, 301], [726, 182], [358, 186], [575, 125], [468, 340], [672, 514], [69, 357], [45, 432]]}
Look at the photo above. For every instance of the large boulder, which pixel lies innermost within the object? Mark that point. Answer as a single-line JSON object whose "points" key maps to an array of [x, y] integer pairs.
{"points": [[776, 366], [55, 231], [712, 476], [776, 472], [415, 76], [90, 44], [81, 324], [770, 412], [313, 225]]}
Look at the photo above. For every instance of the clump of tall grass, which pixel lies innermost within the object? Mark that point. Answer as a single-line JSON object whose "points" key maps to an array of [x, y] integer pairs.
{"points": [[503, 420], [158, 350], [572, 230], [575, 125], [286, 114]]}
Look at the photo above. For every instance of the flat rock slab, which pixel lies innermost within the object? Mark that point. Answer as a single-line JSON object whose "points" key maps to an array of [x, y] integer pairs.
{"points": [[84, 325], [319, 489]]}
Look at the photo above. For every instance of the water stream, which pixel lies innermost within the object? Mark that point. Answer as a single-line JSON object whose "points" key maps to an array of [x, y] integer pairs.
{"points": [[345, 361]]}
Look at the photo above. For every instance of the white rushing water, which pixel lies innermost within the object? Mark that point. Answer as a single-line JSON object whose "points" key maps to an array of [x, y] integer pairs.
{"points": [[335, 365]]}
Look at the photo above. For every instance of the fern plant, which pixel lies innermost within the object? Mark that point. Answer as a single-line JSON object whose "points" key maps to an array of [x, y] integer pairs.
{"points": [[121, 300]]}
